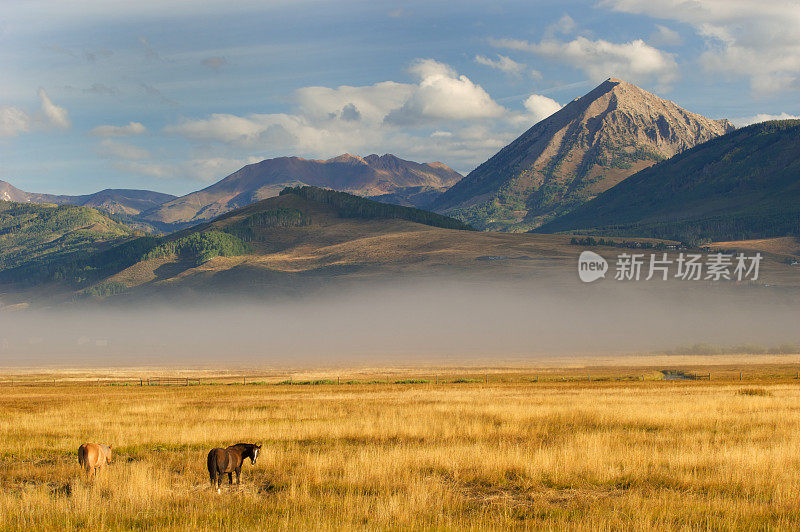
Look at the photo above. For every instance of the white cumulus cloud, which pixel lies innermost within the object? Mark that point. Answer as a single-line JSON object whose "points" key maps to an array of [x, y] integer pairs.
{"points": [[762, 117], [443, 94], [756, 40], [502, 63], [207, 169], [55, 115], [540, 107], [373, 102], [633, 61], [664, 36], [133, 128], [13, 121], [121, 150]]}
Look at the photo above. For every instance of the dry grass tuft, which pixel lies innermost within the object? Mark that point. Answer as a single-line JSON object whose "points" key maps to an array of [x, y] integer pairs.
{"points": [[759, 392]]}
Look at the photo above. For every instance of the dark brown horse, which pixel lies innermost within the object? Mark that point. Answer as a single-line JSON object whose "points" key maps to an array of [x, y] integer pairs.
{"points": [[229, 460]]}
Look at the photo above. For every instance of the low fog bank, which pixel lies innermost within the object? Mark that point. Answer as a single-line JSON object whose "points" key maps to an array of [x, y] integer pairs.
{"points": [[431, 321]]}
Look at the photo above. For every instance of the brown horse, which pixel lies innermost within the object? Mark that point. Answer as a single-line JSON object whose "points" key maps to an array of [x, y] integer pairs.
{"points": [[93, 456], [229, 460]]}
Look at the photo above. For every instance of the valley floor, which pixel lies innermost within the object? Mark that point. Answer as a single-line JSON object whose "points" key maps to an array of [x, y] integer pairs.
{"points": [[467, 448]]}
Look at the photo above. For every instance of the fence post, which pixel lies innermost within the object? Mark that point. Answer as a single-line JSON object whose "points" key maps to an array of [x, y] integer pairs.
{"points": [[337, 381]]}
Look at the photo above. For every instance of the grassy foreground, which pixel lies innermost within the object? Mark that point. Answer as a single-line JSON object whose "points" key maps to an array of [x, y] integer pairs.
{"points": [[580, 455]]}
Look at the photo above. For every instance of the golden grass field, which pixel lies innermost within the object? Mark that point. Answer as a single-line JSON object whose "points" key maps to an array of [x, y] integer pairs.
{"points": [[511, 453]]}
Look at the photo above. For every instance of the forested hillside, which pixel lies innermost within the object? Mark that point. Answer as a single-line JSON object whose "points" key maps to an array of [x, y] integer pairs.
{"points": [[33, 235], [350, 206]]}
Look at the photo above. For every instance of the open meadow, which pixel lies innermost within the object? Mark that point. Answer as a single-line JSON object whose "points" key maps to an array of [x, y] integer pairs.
{"points": [[513, 449]]}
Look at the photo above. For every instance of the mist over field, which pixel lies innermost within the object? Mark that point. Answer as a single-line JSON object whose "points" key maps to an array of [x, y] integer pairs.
{"points": [[417, 322]]}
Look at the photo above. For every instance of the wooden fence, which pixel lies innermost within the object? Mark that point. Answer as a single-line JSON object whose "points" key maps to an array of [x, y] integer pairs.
{"points": [[169, 381]]}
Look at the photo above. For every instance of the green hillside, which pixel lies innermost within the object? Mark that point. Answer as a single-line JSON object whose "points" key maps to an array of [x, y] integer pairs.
{"points": [[34, 235], [743, 185]]}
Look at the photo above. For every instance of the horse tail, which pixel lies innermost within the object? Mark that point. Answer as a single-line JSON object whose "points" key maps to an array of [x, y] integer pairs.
{"points": [[211, 462], [82, 456]]}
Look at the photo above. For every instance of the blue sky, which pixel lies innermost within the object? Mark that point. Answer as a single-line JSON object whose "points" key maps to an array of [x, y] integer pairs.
{"points": [[111, 94]]}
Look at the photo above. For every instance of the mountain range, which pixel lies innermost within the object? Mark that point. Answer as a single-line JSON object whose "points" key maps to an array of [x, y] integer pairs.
{"points": [[618, 161], [115, 201], [743, 185], [590, 145], [386, 178]]}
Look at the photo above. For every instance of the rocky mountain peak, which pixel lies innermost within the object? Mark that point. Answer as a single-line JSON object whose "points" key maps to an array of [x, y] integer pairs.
{"points": [[585, 148], [347, 159]]}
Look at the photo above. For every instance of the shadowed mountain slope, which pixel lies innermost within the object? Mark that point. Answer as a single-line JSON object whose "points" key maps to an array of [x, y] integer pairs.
{"points": [[744, 185]]}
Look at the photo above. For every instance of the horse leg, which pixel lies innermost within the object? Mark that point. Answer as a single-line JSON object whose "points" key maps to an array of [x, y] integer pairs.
{"points": [[238, 471]]}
